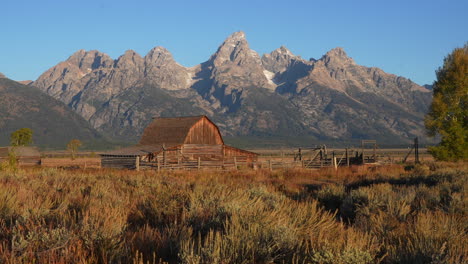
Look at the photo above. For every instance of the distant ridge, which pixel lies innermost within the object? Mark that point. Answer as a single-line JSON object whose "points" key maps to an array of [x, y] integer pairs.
{"points": [[27, 82], [277, 95], [52, 122]]}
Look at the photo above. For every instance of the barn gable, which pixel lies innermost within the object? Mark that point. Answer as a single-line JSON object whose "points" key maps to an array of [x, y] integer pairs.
{"points": [[204, 132], [181, 130]]}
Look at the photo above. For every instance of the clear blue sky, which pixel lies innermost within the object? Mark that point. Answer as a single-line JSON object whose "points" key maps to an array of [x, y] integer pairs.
{"points": [[407, 38]]}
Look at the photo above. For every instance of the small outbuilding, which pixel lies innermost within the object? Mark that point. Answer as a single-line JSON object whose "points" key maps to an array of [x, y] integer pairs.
{"points": [[26, 156], [179, 142]]}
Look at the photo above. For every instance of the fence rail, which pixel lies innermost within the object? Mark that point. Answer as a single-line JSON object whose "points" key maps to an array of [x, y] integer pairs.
{"points": [[234, 164]]}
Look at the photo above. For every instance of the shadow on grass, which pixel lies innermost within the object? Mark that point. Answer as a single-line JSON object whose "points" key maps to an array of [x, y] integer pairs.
{"points": [[429, 181]]}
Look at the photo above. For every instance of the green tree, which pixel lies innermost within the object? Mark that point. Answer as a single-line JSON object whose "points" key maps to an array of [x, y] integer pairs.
{"points": [[73, 146], [448, 113], [21, 137]]}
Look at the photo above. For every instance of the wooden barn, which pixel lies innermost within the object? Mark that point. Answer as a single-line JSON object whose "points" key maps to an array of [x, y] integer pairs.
{"points": [[180, 142], [26, 156]]}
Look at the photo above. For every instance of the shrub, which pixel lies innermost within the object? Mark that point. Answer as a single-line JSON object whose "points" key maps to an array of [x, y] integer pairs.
{"points": [[111, 216], [331, 196]]}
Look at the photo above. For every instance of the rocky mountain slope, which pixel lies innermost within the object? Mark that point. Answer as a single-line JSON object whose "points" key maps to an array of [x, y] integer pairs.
{"points": [[52, 122], [277, 95]]}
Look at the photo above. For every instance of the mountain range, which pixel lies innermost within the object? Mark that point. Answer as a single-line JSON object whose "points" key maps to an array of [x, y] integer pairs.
{"points": [[277, 96], [53, 123]]}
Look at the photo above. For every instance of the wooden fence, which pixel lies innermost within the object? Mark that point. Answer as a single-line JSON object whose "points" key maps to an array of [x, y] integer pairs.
{"points": [[233, 164], [316, 159], [160, 164], [24, 161]]}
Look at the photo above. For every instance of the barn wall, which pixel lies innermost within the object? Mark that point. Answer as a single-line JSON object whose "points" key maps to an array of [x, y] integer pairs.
{"points": [[194, 151], [204, 132], [118, 162], [169, 156], [241, 155]]}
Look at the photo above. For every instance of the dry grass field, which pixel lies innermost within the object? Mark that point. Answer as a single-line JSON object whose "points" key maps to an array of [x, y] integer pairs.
{"points": [[387, 214], [68, 162]]}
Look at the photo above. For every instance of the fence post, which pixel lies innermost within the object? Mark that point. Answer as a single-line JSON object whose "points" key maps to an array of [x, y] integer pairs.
{"points": [[199, 163], [137, 163], [347, 157], [235, 163], [159, 166], [333, 158]]}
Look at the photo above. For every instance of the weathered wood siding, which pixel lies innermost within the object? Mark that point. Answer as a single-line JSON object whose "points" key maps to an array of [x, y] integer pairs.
{"points": [[204, 132], [118, 162], [169, 156], [239, 154], [194, 151]]}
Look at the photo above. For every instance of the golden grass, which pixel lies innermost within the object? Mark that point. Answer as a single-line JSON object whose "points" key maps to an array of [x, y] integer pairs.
{"points": [[388, 214]]}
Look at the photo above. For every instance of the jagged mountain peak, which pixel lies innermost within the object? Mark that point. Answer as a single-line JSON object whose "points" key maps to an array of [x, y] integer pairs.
{"points": [[320, 95], [158, 56], [80, 54], [283, 50], [89, 60], [235, 49], [77, 54], [236, 36], [278, 60], [158, 49], [234, 41], [338, 53], [130, 53], [130, 59], [337, 58]]}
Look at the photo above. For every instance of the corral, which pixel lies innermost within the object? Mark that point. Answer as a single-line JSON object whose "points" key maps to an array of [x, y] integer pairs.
{"points": [[178, 143]]}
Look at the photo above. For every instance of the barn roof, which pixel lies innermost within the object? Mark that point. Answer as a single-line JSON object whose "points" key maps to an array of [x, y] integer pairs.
{"points": [[20, 151], [241, 150], [169, 131]]}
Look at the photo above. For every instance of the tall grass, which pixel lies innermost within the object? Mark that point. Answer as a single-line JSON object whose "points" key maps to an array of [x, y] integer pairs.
{"points": [[353, 215]]}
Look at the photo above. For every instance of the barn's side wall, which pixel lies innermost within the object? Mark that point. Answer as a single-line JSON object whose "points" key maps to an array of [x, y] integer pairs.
{"points": [[241, 155], [118, 161], [204, 132]]}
